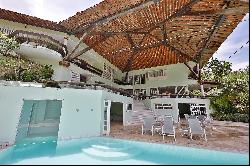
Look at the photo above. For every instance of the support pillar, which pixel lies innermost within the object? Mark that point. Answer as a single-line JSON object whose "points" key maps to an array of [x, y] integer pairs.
{"points": [[202, 90], [65, 41], [62, 71]]}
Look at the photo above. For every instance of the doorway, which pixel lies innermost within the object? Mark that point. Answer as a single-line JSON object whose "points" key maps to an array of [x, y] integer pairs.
{"points": [[116, 115], [184, 108]]}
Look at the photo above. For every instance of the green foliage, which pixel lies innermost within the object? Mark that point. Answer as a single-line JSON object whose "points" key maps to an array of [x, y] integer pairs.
{"points": [[46, 72], [20, 69], [216, 70], [14, 68], [232, 96], [195, 92], [7, 44]]}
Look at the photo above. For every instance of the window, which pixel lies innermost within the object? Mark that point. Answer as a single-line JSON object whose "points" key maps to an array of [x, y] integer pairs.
{"points": [[153, 91], [167, 90], [155, 73], [130, 80], [143, 79], [137, 79], [83, 78], [129, 107], [163, 106], [75, 77], [143, 91], [137, 91]]}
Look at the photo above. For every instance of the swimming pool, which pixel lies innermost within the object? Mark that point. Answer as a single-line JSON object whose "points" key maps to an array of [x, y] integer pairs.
{"points": [[108, 151]]}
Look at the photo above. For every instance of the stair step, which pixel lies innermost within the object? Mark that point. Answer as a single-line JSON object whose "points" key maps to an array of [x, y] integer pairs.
{"points": [[139, 113]]}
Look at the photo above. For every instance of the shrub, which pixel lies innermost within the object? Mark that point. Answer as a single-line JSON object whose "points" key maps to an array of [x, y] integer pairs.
{"points": [[20, 69]]}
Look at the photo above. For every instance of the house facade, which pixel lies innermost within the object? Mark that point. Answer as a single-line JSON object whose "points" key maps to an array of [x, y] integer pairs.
{"points": [[139, 54]]}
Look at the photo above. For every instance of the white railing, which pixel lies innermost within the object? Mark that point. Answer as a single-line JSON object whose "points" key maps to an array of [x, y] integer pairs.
{"points": [[21, 84], [6, 30]]}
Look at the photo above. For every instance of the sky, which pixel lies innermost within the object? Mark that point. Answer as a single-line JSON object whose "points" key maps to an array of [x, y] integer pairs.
{"points": [[58, 10]]}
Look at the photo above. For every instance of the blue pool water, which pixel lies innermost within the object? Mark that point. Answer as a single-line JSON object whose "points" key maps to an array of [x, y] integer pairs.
{"points": [[108, 151]]}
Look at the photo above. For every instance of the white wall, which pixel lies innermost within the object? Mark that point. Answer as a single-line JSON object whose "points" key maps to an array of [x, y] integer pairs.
{"points": [[176, 75], [174, 102], [82, 123], [81, 113], [118, 98]]}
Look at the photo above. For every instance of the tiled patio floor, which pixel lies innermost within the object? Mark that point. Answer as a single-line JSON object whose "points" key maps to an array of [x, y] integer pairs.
{"points": [[226, 136]]}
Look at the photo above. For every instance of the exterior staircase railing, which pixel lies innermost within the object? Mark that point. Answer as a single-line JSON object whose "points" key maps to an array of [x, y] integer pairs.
{"points": [[84, 65]]}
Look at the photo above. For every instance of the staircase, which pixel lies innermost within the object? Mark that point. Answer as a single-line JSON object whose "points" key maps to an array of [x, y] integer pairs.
{"points": [[110, 150], [139, 113]]}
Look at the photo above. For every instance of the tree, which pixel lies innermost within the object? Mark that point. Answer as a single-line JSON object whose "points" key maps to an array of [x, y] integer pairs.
{"points": [[21, 69], [216, 70], [232, 96], [15, 68], [7, 44]]}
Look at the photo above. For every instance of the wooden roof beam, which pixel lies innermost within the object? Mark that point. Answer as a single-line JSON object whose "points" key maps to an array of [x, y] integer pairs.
{"points": [[123, 12], [135, 50], [178, 13], [117, 33], [164, 33], [213, 30], [87, 29], [190, 69], [131, 42], [228, 11], [166, 43], [159, 43], [88, 48]]}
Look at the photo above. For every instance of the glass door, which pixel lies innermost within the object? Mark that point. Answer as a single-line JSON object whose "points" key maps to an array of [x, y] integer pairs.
{"points": [[106, 118]]}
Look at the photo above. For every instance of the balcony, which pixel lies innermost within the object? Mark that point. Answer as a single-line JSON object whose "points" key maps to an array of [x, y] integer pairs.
{"points": [[40, 40]]}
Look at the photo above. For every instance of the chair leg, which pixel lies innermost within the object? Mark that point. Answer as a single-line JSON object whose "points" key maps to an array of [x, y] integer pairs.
{"points": [[163, 136], [174, 135], [142, 130], [205, 136]]}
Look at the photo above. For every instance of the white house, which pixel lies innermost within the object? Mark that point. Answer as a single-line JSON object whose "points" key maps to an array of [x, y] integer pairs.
{"points": [[102, 57]]}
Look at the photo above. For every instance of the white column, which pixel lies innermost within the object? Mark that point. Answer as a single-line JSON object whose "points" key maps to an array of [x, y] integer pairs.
{"points": [[176, 90], [61, 73], [65, 42], [202, 90]]}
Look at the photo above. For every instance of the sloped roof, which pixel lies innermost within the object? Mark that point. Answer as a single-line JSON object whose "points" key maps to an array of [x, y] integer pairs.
{"points": [[30, 20], [137, 34], [163, 33]]}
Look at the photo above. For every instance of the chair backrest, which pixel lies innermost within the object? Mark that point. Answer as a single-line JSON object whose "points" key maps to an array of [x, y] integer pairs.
{"points": [[195, 126], [202, 118], [192, 117], [168, 124], [148, 122], [186, 116]]}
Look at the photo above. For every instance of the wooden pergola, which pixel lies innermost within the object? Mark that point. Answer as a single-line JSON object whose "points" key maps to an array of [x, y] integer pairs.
{"points": [[137, 34]]}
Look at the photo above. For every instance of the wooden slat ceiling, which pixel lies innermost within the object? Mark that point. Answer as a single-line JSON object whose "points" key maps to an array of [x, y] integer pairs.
{"points": [[164, 33]]}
